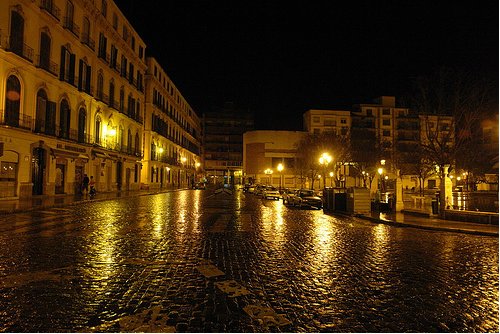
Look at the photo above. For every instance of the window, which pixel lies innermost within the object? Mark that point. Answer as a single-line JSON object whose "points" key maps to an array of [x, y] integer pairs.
{"points": [[343, 121], [112, 93], [369, 112], [123, 71], [103, 41], [113, 57], [84, 78], [129, 142], [104, 8], [136, 147], [141, 52], [82, 121], [386, 111], [115, 21], [45, 114], [16, 40], [67, 69], [68, 19], [132, 43], [98, 130], [12, 101], [386, 133], [125, 32], [386, 122], [100, 86], [122, 99], [86, 31], [44, 60], [64, 119], [8, 171]]}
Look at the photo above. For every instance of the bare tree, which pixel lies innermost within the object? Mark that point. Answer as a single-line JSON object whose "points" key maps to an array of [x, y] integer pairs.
{"points": [[465, 98]]}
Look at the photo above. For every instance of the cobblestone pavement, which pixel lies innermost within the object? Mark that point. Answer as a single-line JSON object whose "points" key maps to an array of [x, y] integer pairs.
{"points": [[194, 261]]}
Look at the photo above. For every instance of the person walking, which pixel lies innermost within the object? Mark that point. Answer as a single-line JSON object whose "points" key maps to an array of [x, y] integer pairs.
{"points": [[85, 184]]}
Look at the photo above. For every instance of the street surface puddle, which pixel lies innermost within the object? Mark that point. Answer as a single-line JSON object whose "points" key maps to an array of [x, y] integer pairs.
{"points": [[266, 316], [232, 288], [209, 270], [145, 262]]}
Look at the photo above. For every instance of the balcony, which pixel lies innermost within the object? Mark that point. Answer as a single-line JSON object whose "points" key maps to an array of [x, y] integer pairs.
{"points": [[19, 48], [71, 26], [47, 65], [16, 120], [86, 40], [49, 7]]}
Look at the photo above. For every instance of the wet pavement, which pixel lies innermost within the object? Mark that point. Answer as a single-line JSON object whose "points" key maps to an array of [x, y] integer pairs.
{"points": [[195, 261]]}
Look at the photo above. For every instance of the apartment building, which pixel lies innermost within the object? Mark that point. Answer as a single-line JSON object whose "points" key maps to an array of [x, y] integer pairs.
{"points": [[72, 98], [333, 121], [172, 134], [223, 131]]}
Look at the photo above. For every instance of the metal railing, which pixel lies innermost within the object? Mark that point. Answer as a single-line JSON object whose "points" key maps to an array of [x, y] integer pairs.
{"points": [[15, 120], [50, 8], [47, 64], [71, 26], [87, 40]]}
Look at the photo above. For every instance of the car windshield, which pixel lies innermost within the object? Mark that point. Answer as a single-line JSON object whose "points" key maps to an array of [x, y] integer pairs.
{"points": [[304, 193]]}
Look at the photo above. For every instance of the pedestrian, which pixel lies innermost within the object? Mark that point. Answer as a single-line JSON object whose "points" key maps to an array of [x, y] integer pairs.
{"points": [[85, 184], [92, 186]]}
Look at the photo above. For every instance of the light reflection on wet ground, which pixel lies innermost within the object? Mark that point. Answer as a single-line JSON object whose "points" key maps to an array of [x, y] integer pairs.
{"points": [[130, 264]]}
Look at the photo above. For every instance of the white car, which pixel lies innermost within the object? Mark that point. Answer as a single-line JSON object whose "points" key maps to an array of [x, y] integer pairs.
{"points": [[271, 193]]}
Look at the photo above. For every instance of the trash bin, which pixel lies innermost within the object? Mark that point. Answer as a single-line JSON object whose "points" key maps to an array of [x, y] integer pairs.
{"points": [[435, 207]]}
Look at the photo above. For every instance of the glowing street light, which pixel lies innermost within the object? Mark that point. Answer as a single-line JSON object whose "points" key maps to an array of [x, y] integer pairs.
{"points": [[331, 179], [324, 160]]}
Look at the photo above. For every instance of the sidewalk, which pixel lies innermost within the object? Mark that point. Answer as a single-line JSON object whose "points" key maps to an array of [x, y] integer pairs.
{"points": [[45, 202], [431, 223]]}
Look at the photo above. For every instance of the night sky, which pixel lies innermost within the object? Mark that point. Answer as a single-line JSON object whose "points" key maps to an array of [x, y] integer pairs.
{"points": [[281, 58]]}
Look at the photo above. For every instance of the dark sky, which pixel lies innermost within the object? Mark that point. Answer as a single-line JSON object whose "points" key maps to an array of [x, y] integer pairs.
{"points": [[281, 58]]}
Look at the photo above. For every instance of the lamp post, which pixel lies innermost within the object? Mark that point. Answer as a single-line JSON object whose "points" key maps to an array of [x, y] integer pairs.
{"points": [[280, 169], [380, 172], [324, 160], [331, 179]]}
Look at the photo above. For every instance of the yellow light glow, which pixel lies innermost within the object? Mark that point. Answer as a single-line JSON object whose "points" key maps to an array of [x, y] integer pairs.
{"points": [[380, 171], [280, 167], [160, 150]]}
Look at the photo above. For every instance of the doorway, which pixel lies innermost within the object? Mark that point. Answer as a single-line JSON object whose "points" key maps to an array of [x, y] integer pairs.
{"points": [[60, 176], [38, 166]]}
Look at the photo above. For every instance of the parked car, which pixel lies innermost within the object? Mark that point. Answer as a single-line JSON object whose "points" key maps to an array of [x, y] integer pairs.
{"points": [[199, 185], [271, 192], [259, 190], [306, 198], [286, 194]]}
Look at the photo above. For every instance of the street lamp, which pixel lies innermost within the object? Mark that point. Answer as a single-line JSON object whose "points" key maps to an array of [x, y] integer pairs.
{"points": [[380, 172], [280, 169], [331, 179], [324, 160]]}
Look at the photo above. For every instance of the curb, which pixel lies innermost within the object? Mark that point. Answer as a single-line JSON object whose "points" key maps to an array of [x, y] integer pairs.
{"points": [[423, 227]]}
